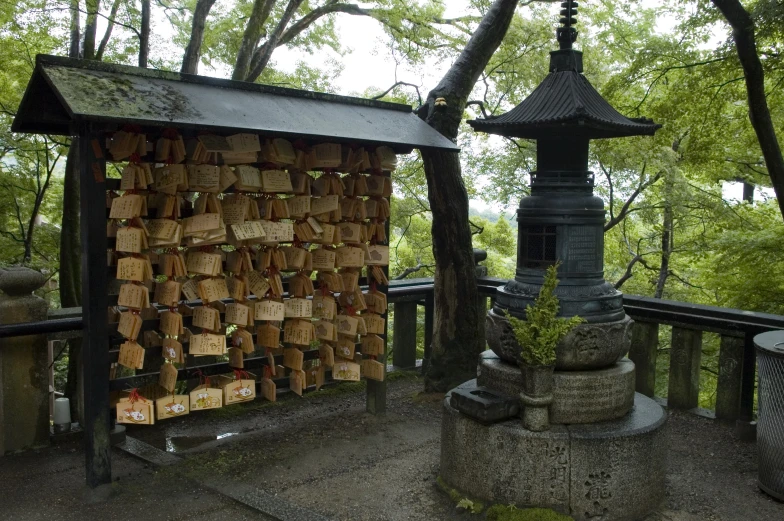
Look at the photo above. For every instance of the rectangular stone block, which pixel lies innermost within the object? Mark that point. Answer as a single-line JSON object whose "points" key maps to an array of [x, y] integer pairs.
{"points": [[485, 405]]}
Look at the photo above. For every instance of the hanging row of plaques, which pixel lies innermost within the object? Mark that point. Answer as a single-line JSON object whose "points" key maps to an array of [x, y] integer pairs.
{"points": [[224, 223]]}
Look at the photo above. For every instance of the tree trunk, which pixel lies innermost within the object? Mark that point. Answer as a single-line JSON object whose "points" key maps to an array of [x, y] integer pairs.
{"points": [[90, 26], [262, 57], [759, 114], [108, 34], [28, 240], [748, 192], [144, 35], [457, 337], [73, 48], [190, 60], [666, 240], [250, 39], [70, 266]]}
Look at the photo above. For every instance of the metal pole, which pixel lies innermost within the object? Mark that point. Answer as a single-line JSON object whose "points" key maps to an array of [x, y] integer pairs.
{"points": [[95, 351]]}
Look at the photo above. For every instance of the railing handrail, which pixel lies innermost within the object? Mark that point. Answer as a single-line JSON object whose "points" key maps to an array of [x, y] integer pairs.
{"points": [[705, 317], [646, 309]]}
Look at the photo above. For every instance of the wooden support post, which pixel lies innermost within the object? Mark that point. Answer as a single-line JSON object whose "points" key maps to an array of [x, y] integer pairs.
{"points": [[685, 356], [376, 397], [643, 352], [730, 376], [95, 350], [404, 339], [429, 309]]}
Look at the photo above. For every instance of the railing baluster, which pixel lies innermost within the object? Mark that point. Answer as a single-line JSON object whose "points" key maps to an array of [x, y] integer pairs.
{"points": [[405, 335], [644, 351], [730, 376], [685, 356]]}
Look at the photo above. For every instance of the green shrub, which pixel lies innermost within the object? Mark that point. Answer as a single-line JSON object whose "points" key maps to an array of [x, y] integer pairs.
{"points": [[542, 330]]}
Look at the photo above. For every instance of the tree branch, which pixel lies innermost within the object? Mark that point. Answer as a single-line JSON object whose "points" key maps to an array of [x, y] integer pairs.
{"points": [[408, 271], [628, 273], [262, 56], [481, 105], [11, 236], [108, 33], [419, 95], [334, 6], [759, 114], [625, 209]]}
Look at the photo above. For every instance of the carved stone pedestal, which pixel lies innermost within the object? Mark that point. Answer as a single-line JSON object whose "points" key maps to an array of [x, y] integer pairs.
{"points": [[609, 471], [578, 396]]}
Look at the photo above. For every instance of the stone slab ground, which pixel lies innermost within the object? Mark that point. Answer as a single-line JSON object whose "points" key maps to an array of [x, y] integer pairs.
{"points": [[325, 458]]}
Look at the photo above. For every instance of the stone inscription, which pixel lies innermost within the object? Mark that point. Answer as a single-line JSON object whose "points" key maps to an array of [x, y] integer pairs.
{"points": [[559, 474], [599, 398], [583, 249], [551, 461], [598, 490]]}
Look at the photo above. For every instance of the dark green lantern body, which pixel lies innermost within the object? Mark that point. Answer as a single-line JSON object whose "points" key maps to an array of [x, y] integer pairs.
{"points": [[562, 220]]}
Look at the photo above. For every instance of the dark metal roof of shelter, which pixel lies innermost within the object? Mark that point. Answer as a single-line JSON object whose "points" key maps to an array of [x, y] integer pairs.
{"points": [[64, 91], [565, 104]]}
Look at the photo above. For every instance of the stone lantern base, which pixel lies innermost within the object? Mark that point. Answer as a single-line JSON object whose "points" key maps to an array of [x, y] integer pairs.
{"points": [[608, 471], [603, 459]]}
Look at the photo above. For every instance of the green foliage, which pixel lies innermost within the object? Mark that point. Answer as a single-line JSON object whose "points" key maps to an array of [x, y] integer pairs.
{"points": [[512, 513], [540, 333], [473, 506]]}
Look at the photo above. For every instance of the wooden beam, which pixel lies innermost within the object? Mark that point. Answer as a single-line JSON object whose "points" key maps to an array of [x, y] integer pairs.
{"points": [[95, 350]]}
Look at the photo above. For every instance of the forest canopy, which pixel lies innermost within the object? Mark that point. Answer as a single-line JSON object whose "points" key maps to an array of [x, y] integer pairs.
{"points": [[671, 232]]}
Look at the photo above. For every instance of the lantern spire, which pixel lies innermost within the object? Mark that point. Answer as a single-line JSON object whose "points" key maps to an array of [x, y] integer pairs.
{"points": [[567, 34]]}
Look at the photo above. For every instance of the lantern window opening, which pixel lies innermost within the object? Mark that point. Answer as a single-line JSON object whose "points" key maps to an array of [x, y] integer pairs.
{"points": [[539, 246]]}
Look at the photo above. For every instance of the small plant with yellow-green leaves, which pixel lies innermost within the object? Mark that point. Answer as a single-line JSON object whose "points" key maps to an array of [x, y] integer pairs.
{"points": [[540, 333]]}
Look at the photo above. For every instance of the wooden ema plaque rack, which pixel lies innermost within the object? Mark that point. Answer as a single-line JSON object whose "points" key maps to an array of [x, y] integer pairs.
{"points": [[242, 143], [272, 254], [204, 267]]}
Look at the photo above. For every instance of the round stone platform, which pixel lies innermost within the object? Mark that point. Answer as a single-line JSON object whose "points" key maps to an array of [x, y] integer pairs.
{"points": [[608, 471], [578, 396]]}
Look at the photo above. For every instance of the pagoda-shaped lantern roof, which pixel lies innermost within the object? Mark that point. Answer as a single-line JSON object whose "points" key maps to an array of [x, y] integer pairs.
{"points": [[565, 104]]}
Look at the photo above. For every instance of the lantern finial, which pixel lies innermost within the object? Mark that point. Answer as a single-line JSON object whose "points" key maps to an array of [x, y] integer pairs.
{"points": [[567, 34]]}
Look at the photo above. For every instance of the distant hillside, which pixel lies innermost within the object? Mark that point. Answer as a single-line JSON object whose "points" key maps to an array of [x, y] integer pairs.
{"points": [[492, 215]]}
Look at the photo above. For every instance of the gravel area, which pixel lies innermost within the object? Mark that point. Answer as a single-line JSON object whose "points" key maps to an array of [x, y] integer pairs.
{"points": [[49, 485], [324, 453]]}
